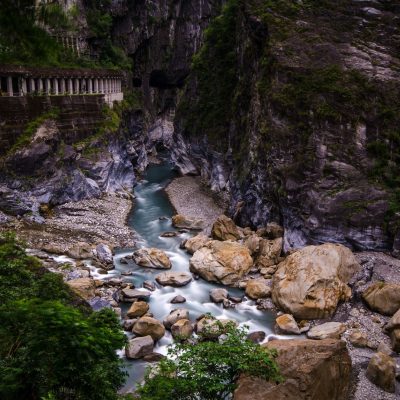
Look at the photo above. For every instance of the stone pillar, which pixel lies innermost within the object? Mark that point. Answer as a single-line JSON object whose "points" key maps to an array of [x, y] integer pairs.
{"points": [[62, 86], [47, 86], [24, 90], [77, 89], [101, 85], [83, 86], [55, 86], [40, 85], [10, 90], [96, 85], [90, 85], [32, 87], [70, 86]]}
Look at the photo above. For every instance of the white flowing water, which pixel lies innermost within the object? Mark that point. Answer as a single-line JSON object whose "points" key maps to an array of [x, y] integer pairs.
{"points": [[151, 204]]}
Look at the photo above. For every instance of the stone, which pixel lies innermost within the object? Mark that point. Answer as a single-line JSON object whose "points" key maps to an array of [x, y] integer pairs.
{"points": [[218, 295], [174, 316], [310, 282], [149, 326], [153, 357], [80, 251], [139, 347], [178, 299], [222, 262], [84, 287], [169, 234], [128, 324], [224, 229], [383, 297], [358, 338], [138, 309], [312, 370], [152, 258], [329, 330], [381, 371], [273, 231], [212, 328], [182, 329], [256, 337], [393, 329], [131, 295], [195, 243], [257, 289], [287, 324], [149, 285], [175, 279], [383, 348], [104, 253], [180, 221]]}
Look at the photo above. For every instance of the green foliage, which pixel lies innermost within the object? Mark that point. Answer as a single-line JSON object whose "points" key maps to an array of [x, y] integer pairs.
{"points": [[215, 69], [49, 349], [25, 138], [208, 370]]}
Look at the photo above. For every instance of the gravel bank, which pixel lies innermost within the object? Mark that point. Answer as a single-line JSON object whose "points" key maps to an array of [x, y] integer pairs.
{"points": [[91, 221], [191, 199]]}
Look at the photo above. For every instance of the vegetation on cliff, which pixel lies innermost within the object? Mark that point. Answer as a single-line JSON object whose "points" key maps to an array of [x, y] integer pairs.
{"points": [[51, 345]]}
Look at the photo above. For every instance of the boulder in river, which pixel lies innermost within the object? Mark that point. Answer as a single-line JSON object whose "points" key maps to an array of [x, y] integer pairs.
{"points": [[139, 347], [80, 251], [222, 262], [182, 329], [104, 254], [218, 295], [174, 316], [224, 229], [152, 258], [149, 326], [329, 330], [131, 295], [178, 299], [381, 371], [195, 243], [84, 287], [383, 297], [175, 279], [138, 309], [287, 324], [212, 328], [310, 282], [180, 221], [257, 289], [312, 369]]}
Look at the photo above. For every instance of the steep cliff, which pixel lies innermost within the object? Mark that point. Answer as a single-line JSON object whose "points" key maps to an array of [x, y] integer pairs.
{"points": [[292, 109]]}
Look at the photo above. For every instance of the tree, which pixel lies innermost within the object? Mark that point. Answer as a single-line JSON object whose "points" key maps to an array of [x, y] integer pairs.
{"points": [[208, 370]]}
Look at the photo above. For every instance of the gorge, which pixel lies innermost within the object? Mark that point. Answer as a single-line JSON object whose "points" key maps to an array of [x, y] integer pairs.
{"points": [[129, 128]]}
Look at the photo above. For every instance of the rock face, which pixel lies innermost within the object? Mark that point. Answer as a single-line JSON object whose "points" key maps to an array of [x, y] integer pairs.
{"points": [[138, 309], [152, 258], [257, 289], [84, 287], [149, 326], [139, 347], [393, 329], [195, 243], [329, 330], [312, 370], [224, 229], [310, 282], [383, 297], [382, 371], [180, 221], [222, 262], [176, 279]]}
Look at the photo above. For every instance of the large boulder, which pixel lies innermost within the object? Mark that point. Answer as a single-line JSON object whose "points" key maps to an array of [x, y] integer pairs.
{"points": [[383, 297], [393, 329], [175, 279], [212, 328], [174, 316], [84, 287], [104, 253], [218, 295], [80, 251], [310, 282], [196, 242], [312, 370], [149, 326], [182, 329], [152, 258], [131, 295], [265, 252], [224, 229], [139, 347], [222, 262], [257, 289], [137, 309], [381, 371], [329, 330], [287, 324], [182, 222]]}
